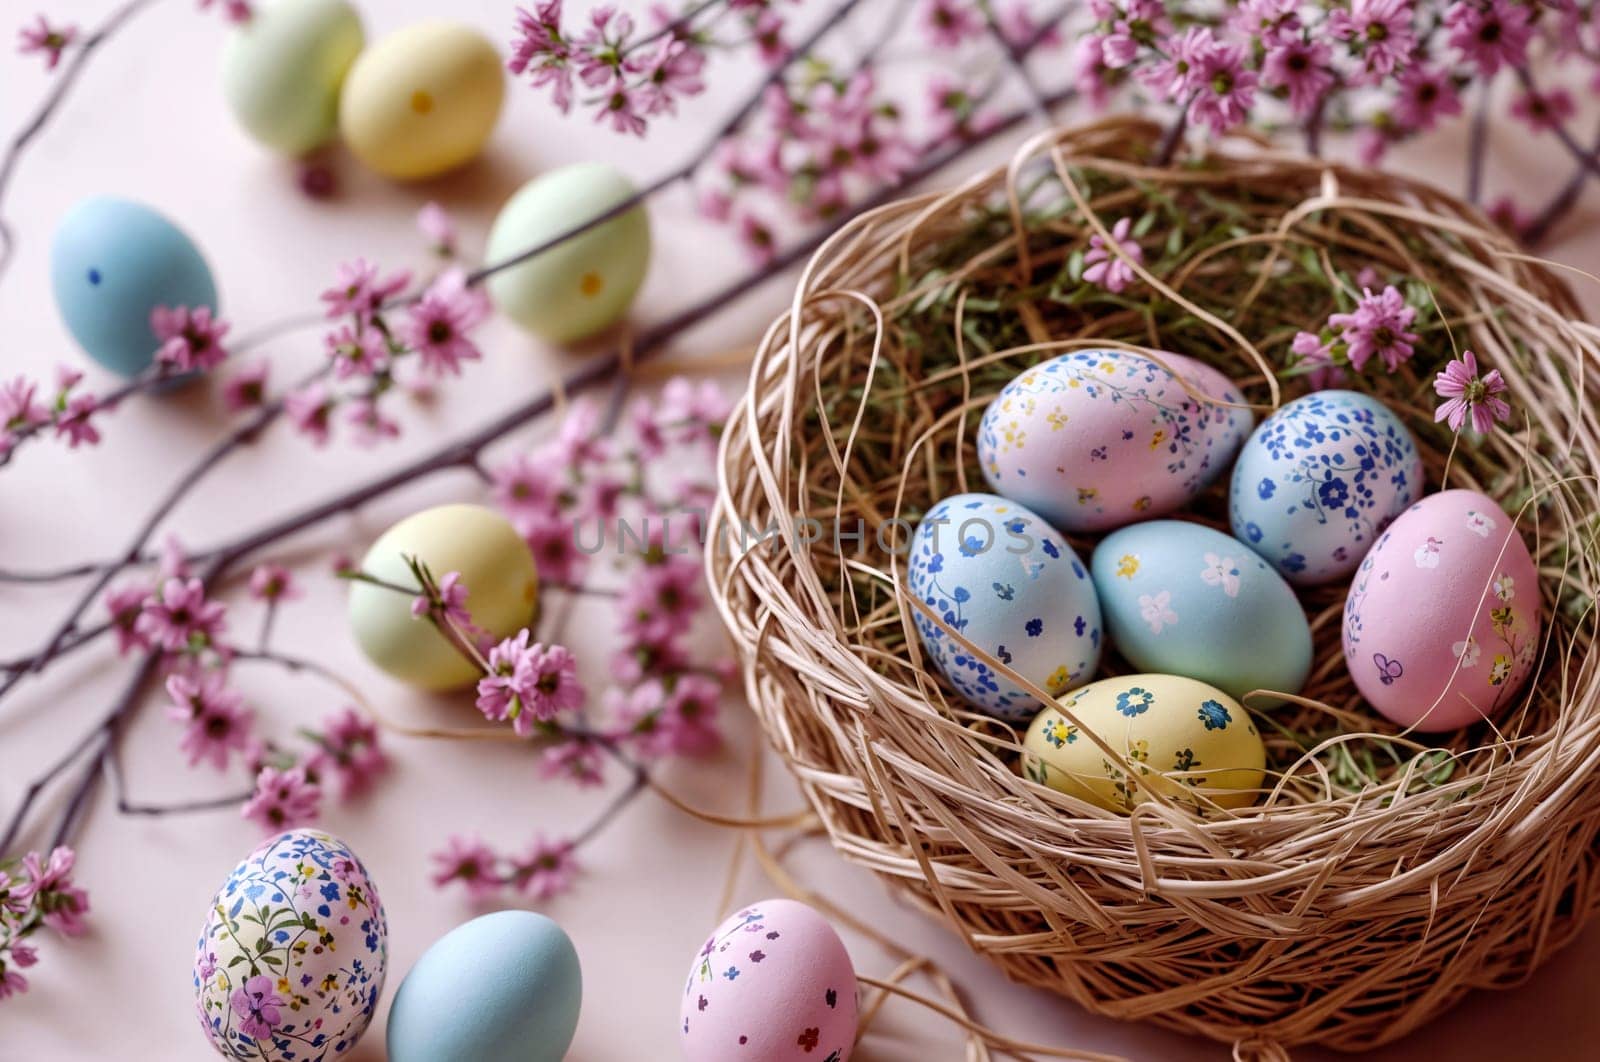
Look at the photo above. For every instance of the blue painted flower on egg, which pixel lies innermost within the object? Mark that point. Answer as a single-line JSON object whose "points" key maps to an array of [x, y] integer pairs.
{"points": [[1319, 480], [1008, 583]]}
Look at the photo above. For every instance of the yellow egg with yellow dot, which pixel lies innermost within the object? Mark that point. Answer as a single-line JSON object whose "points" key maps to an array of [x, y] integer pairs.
{"points": [[423, 100], [581, 285], [495, 565], [1190, 742]]}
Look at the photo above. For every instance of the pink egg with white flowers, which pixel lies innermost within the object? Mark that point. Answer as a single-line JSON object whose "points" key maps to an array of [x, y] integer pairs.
{"points": [[1441, 627], [771, 984]]}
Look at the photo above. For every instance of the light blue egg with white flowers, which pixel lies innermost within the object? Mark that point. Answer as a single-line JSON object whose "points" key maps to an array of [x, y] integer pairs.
{"points": [[1319, 480], [113, 261], [1009, 583], [505, 987], [1184, 599]]}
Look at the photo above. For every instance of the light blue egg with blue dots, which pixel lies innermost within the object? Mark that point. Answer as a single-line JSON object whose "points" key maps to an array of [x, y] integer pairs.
{"points": [[1005, 579], [114, 261]]}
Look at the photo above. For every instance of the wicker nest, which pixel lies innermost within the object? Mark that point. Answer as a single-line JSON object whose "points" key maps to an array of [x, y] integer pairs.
{"points": [[1383, 876]]}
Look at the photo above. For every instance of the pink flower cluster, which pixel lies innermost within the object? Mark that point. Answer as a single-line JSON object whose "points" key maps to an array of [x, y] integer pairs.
{"points": [[529, 683], [543, 870], [36, 892], [22, 415], [1379, 327]]}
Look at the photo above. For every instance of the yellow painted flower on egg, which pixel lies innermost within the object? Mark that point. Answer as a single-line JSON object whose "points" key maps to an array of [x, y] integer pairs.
{"points": [[1158, 438], [1128, 565], [1501, 670], [1087, 495]]}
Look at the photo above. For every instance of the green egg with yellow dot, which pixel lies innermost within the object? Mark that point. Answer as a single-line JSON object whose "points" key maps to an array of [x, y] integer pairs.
{"points": [[580, 286], [1179, 737], [496, 567], [282, 70]]}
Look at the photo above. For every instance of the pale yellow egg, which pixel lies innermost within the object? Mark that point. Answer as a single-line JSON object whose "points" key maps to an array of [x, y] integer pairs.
{"points": [[1188, 741], [423, 100]]}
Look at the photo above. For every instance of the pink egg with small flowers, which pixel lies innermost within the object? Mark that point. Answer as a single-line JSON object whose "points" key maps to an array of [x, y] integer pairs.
{"points": [[771, 984], [1441, 626]]}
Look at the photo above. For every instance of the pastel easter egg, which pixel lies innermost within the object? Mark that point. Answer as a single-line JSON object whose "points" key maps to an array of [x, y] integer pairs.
{"points": [[292, 955], [505, 987], [771, 984], [112, 262], [1184, 599], [1183, 739], [283, 67], [1319, 480], [1096, 439], [423, 100], [583, 284], [495, 565], [1441, 627], [1010, 584]]}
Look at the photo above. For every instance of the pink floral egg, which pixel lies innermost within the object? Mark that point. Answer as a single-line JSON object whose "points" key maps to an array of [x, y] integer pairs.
{"points": [[291, 959], [1096, 439], [772, 984], [1441, 627]]}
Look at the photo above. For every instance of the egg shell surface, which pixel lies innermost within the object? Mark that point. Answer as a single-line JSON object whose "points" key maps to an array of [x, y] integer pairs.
{"points": [[1191, 742], [291, 959], [1441, 626], [496, 567], [1319, 480], [773, 983], [1184, 599], [505, 987], [423, 100], [283, 67], [1012, 586], [1096, 439], [111, 263], [584, 284]]}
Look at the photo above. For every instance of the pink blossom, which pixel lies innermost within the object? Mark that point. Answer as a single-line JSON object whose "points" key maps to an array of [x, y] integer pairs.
{"points": [[190, 337], [358, 291], [1225, 89], [47, 884], [689, 714], [1120, 47], [173, 562], [637, 713], [470, 862], [1544, 110], [310, 410], [1468, 394], [436, 226], [1426, 95], [619, 107], [246, 389], [369, 424], [1273, 22], [1020, 29], [766, 30], [235, 11], [687, 412], [1105, 268], [1300, 67], [436, 326], [1091, 76], [948, 23], [357, 351], [1380, 31], [552, 540], [674, 70], [1505, 213], [19, 409], [180, 616], [214, 718], [522, 485], [73, 422], [12, 984], [125, 604], [273, 582], [1490, 34], [49, 41], [758, 238], [546, 869], [348, 747], [257, 1006], [1310, 350], [1378, 326], [579, 442], [283, 799], [529, 682], [450, 605], [659, 600], [1180, 72], [540, 47], [577, 761]]}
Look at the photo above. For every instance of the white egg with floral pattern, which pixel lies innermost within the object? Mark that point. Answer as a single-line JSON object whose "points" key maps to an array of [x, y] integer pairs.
{"points": [[291, 959], [1008, 583]]}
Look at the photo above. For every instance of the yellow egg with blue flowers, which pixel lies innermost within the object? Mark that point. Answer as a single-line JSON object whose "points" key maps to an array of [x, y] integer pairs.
{"points": [[1190, 742]]}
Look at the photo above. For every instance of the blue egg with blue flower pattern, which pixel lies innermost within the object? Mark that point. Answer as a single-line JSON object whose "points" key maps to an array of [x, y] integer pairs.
{"points": [[1319, 480], [1185, 599], [113, 261], [1008, 583]]}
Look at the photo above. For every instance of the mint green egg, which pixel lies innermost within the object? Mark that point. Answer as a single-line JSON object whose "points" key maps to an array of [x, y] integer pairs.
{"points": [[282, 71], [496, 567], [585, 284]]}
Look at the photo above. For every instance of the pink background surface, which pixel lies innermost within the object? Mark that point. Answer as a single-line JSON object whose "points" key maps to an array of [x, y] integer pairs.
{"points": [[148, 122]]}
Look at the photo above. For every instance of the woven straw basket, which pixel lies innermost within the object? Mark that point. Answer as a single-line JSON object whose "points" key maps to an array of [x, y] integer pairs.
{"points": [[1383, 875]]}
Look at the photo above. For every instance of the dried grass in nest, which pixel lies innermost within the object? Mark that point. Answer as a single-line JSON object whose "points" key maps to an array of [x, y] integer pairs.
{"points": [[1384, 874]]}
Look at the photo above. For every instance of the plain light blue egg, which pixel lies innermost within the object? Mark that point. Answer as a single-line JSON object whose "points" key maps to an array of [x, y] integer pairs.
{"points": [[505, 987], [114, 261], [1184, 599]]}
